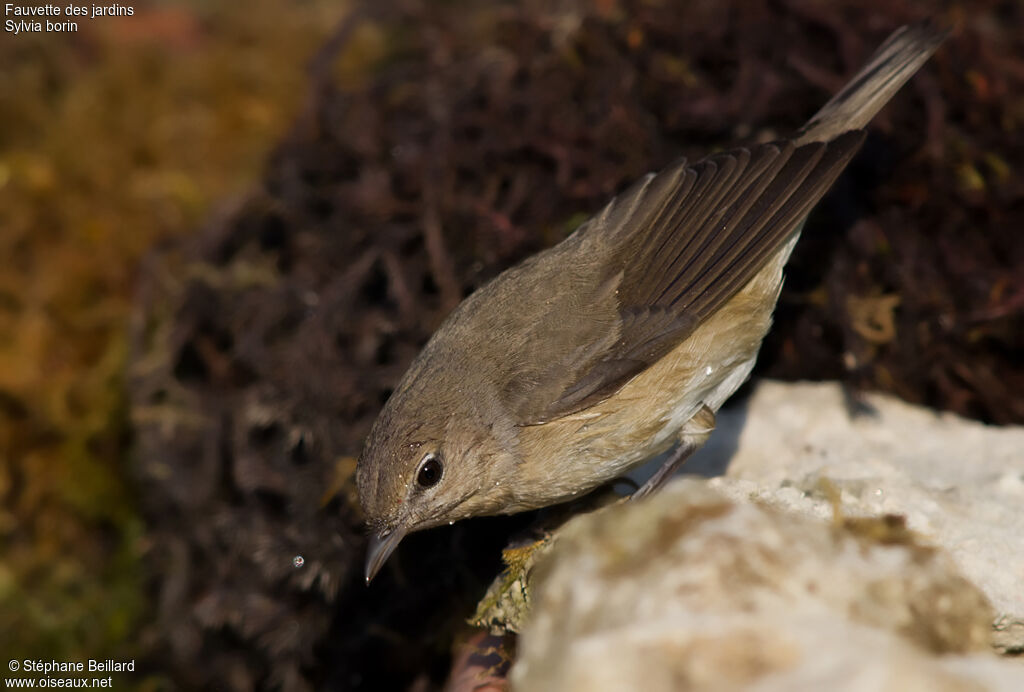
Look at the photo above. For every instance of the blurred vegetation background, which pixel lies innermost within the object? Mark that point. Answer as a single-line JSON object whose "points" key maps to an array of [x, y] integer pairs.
{"points": [[112, 139]]}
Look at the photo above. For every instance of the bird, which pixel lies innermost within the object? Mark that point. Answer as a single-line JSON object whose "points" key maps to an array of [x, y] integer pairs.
{"points": [[620, 342]]}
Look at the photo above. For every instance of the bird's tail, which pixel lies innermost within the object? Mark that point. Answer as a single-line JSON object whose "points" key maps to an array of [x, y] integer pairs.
{"points": [[889, 68]]}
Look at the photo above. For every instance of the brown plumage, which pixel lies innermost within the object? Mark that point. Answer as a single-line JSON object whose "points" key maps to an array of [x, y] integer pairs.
{"points": [[595, 355]]}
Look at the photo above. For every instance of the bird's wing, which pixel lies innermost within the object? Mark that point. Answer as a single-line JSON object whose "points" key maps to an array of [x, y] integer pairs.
{"points": [[672, 250]]}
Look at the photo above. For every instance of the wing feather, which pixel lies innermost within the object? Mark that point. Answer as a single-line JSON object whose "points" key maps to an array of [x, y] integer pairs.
{"points": [[678, 246]]}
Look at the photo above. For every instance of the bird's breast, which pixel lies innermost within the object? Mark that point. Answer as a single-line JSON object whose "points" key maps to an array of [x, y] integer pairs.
{"points": [[645, 417]]}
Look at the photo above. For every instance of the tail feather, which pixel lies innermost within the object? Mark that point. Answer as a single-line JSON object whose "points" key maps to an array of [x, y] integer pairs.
{"points": [[895, 61]]}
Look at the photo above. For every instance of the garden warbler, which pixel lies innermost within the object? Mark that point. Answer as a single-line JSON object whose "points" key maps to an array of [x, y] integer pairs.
{"points": [[623, 340]]}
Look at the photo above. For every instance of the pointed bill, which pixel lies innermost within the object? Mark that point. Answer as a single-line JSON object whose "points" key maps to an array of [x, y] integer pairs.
{"points": [[378, 550]]}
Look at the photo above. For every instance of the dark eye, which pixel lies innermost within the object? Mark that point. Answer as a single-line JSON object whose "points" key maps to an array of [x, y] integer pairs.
{"points": [[430, 471]]}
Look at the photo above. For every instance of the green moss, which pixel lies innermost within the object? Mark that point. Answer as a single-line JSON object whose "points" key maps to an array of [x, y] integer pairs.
{"points": [[110, 141]]}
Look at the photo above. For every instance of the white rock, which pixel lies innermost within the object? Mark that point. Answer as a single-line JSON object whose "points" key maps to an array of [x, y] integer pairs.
{"points": [[959, 483], [689, 590]]}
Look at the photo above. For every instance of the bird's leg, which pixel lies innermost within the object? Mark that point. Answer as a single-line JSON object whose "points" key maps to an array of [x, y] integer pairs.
{"points": [[693, 436]]}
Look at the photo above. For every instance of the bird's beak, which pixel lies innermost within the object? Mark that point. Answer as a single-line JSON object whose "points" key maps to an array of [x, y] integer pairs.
{"points": [[380, 548]]}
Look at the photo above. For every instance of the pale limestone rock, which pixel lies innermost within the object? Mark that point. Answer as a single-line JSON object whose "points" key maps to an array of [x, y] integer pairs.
{"points": [[960, 484], [690, 590]]}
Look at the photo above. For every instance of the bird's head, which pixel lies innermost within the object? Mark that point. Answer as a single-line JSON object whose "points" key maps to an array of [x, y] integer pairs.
{"points": [[428, 462]]}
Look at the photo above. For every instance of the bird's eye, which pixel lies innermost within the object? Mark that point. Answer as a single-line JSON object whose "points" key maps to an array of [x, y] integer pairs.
{"points": [[430, 471]]}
